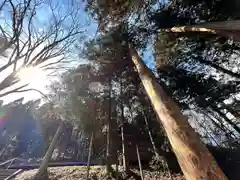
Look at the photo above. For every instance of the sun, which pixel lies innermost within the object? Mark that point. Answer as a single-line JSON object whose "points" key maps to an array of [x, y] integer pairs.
{"points": [[34, 76]]}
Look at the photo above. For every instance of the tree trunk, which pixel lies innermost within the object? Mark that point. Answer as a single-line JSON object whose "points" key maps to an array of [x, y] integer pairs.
{"points": [[194, 158], [221, 114], [124, 154], [219, 68], [162, 158], [139, 163], [231, 110], [212, 116], [42, 171], [230, 28], [150, 135], [83, 148], [108, 164], [207, 132], [2, 151], [89, 155], [109, 128], [117, 170]]}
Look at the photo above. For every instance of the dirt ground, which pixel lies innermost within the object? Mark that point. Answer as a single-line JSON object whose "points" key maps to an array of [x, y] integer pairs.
{"points": [[96, 172]]}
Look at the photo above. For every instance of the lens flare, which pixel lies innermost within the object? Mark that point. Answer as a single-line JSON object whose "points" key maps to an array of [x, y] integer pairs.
{"points": [[34, 76]]}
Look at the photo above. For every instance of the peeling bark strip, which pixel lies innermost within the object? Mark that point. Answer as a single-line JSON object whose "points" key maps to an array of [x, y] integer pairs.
{"points": [[194, 158], [190, 29], [229, 28]]}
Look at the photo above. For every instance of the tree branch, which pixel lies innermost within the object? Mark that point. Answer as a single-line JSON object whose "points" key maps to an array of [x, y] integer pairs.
{"points": [[13, 91]]}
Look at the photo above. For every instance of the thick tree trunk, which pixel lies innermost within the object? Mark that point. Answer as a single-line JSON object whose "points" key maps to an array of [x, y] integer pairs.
{"points": [[139, 163], [194, 158], [41, 174], [89, 155]]}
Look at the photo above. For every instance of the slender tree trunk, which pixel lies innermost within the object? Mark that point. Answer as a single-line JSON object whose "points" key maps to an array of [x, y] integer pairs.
{"points": [[108, 148], [207, 132], [75, 151], [139, 163], [150, 135], [222, 125], [130, 111], [108, 164], [117, 171], [221, 114], [235, 113], [212, 117], [2, 151], [42, 171], [194, 158], [8, 142], [124, 154], [85, 148], [219, 68], [162, 158], [89, 155], [209, 114]]}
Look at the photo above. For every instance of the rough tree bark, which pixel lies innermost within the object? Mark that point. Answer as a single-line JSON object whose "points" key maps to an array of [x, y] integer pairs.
{"points": [[42, 171], [194, 158]]}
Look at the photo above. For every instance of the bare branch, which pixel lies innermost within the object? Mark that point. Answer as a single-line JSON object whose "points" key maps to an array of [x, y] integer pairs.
{"points": [[2, 4], [31, 43], [31, 89], [53, 63], [13, 91], [10, 80]]}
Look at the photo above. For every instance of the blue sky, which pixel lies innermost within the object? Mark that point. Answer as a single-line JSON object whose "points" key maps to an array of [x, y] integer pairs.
{"points": [[43, 13], [148, 57]]}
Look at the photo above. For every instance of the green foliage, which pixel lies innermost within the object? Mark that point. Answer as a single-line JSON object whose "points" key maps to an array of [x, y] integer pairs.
{"points": [[114, 12]]}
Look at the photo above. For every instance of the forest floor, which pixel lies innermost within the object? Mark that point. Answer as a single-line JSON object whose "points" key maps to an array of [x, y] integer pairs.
{"points": [[96, 173]]}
